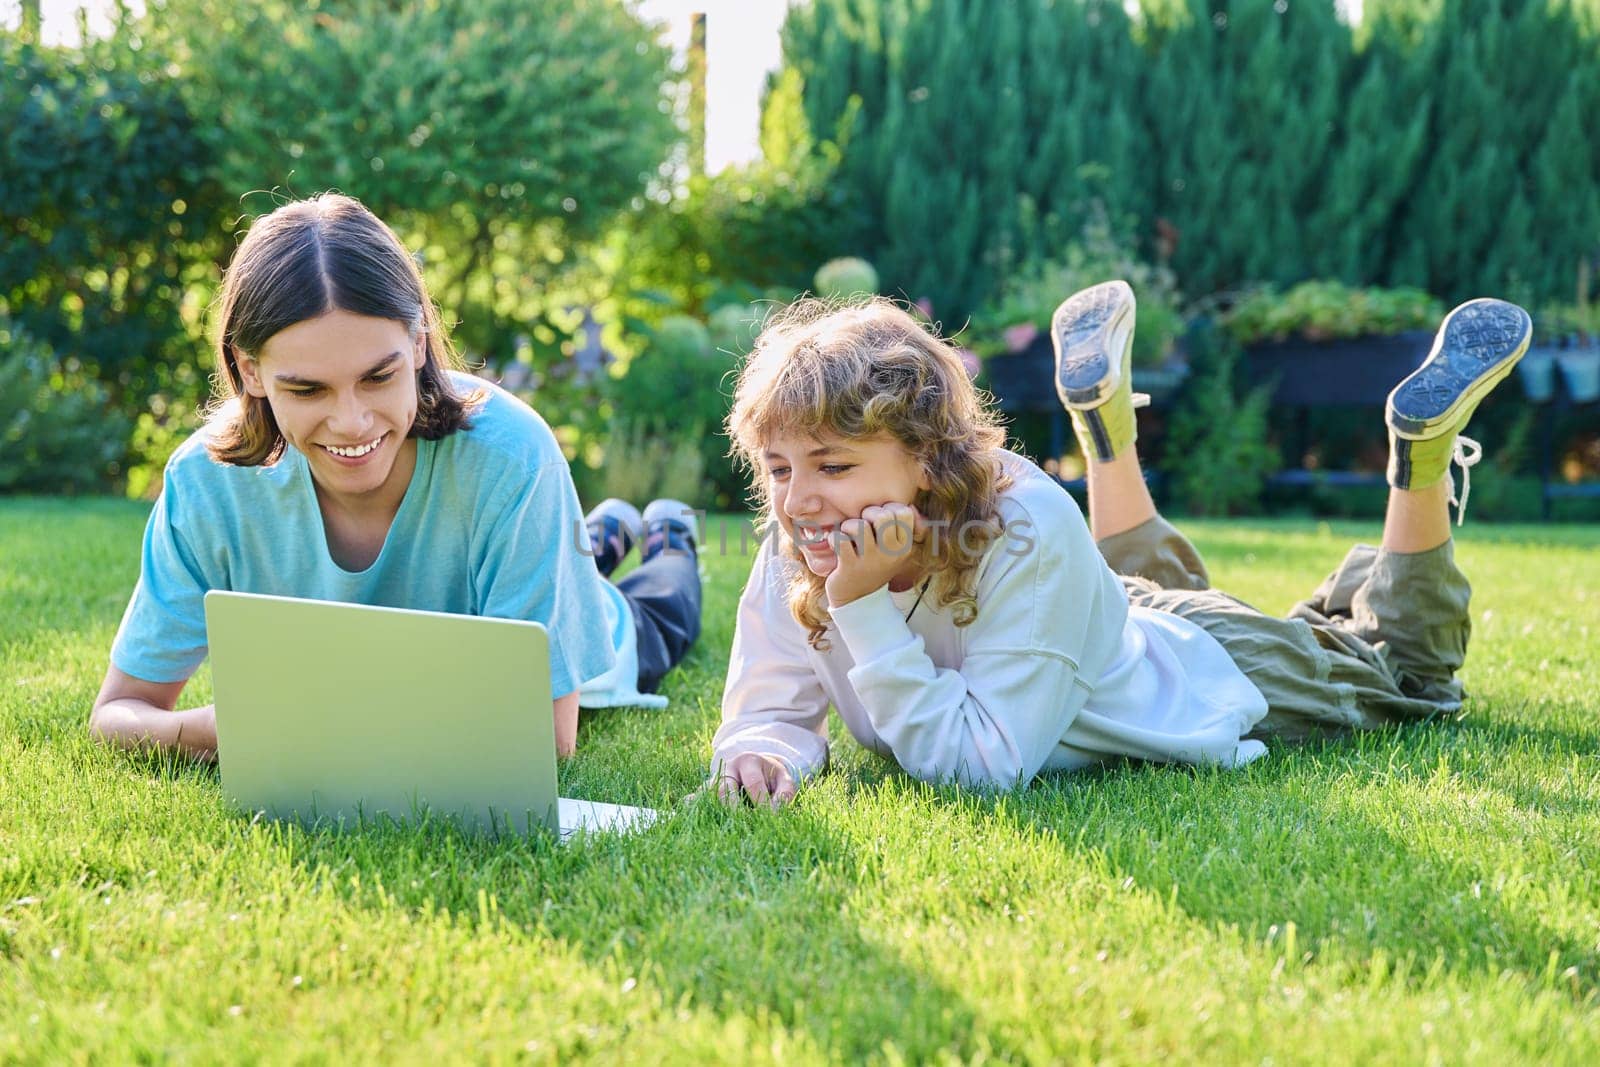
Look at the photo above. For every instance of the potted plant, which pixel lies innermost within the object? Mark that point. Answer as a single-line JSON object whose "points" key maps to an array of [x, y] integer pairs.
{"points": [[1537, 368], [1572, 336], [1323, 342]]}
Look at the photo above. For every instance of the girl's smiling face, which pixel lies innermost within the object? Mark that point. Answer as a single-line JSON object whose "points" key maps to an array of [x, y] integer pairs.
{"points": [[816, 483], [343, 389]]}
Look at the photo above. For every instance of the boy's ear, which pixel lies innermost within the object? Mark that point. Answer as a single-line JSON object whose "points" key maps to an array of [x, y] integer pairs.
{"points": [[250, 376]]}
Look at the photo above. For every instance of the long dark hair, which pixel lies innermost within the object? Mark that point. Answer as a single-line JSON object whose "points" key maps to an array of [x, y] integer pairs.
{"points": [[304, 260]]}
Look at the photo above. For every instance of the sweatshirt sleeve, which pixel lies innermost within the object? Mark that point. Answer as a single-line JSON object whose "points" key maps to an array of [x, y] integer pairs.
{"points": [[773, 702], [1032, 656]]}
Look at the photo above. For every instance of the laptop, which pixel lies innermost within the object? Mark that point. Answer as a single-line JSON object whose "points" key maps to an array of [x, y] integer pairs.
{"points": [[336, 713]]}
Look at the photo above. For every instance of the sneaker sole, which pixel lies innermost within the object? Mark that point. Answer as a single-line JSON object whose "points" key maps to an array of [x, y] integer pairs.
{"points": [[1477, 345], [1087, 329], [676, 511]]}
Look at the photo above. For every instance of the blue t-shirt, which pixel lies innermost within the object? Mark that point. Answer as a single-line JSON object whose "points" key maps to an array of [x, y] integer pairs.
{"points": [[490, 525]]}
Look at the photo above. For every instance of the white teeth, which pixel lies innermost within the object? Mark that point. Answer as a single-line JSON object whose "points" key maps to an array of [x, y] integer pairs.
{"points": [[354, 453]]}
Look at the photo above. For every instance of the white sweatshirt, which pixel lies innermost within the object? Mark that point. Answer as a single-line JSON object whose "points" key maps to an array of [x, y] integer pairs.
{"points": [[1056, 672]]}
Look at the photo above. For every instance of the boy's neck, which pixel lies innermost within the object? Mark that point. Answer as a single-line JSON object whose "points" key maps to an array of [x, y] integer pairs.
{"points": [[369, 515]]}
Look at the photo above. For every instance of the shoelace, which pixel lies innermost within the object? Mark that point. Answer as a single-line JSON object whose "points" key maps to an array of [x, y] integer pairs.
{"points": [[1465, 453]]}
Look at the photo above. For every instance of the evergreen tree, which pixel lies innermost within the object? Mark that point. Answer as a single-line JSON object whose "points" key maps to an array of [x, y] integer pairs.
{"points": [[1380, 134], [1445, 145], [1566, 199], [1242, 105], [973, 132], [1506, 198]]}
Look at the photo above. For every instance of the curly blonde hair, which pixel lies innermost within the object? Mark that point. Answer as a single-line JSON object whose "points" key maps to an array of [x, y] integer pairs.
{"points": [[863, 368]]}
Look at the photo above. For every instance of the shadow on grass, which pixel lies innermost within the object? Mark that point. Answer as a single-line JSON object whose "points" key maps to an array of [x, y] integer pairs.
{"points": [[736, 912], [1369, 844], [744, 913]]}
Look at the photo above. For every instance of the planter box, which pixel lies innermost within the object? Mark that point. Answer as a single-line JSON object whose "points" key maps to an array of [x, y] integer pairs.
{"points": [[1024, 381], [1360, 370]]}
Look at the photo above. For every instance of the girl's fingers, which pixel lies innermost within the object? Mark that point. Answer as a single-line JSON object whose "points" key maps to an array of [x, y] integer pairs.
{"points": [[853, 535], [753, 777], [895, 528], [783, 787]]}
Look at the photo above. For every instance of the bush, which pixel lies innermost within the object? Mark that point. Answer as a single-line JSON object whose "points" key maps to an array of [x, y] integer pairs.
{"points": [[1031, 294], [1217, 455], [678, 387], [644, 459], [58, 430], [1327, 310], [734, 327], [156, 436], [840, 279], [112, 222], [681, 340]]}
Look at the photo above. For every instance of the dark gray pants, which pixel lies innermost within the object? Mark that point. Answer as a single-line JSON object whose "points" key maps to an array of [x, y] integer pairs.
{"points": [[664, 593], [1379, 641]]}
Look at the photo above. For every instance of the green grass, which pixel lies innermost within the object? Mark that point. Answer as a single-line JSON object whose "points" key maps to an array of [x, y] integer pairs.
{"points": [[1425, 893]]}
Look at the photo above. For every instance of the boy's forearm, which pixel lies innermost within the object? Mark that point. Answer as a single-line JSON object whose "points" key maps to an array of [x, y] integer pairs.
{"points": [[566, 715], [132, 723]]}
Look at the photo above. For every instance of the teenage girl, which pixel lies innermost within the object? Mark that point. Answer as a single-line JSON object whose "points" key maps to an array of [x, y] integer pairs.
{"points": [[950, 601]]}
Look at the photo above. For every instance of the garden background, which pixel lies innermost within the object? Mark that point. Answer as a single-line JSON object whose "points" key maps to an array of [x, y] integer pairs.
{"points": [[1265, 174], [1285, 190]]}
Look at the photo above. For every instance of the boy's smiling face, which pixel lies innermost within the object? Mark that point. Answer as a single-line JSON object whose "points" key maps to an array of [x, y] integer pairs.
{"points": [[816, 483], [343, 389]]}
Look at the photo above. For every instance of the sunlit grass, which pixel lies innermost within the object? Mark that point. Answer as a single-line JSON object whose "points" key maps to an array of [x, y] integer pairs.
{"points": [[1418, 893]]}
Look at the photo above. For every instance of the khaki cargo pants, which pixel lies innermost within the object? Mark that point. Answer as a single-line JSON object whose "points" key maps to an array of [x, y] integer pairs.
{"points": [[1379, 641]]}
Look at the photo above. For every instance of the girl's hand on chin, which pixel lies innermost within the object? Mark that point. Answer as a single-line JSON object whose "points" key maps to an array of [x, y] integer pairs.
{"points": [[871, 550]]}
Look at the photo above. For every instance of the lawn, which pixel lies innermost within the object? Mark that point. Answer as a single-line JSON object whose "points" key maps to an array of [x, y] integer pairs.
{"points": [[1425, 893]]}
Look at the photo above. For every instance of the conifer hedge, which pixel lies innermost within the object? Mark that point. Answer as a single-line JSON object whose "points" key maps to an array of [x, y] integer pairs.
{"points": [[1443, 144]]}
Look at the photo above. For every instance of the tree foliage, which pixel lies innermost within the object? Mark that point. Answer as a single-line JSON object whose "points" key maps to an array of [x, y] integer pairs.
{"points": [[110, 219], [58, 432], [1445, 144], [974, 133], [504, 130], [1243, 100], [1506, 197]]}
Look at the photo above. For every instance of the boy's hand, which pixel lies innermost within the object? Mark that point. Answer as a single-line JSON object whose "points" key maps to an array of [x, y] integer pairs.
{"points": [[763, 779], [873, 549]]}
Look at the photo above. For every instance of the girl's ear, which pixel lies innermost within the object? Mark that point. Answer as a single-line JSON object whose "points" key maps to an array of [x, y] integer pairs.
{"points": [[419, 357], [250, 375]]}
